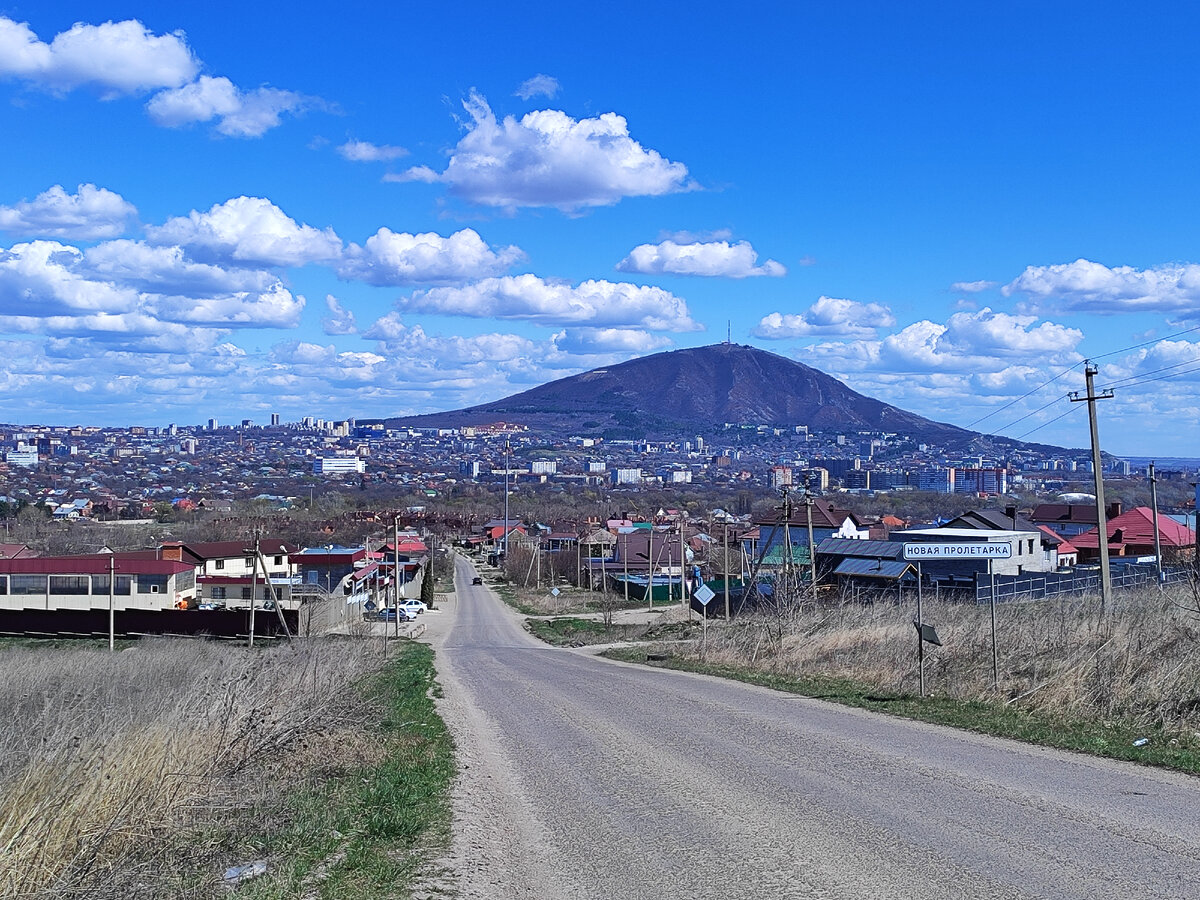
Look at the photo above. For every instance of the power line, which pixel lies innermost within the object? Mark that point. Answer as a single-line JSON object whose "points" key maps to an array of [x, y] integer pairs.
{"points": [[1050, 381], [1148, 343], [1070, 409], [1163, 377], [1141, 375], [1027, 415], [1023, 396]]}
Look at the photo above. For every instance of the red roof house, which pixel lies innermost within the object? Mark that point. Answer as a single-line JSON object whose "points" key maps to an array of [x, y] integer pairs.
{"points": [[1132, 534]]}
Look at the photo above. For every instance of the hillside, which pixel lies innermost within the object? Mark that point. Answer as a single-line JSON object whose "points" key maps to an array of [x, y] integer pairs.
{"points": [[696, 389]]}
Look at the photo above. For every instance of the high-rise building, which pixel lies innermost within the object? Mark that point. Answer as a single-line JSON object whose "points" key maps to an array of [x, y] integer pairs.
{"points": [[274, 419], [212, 424]]}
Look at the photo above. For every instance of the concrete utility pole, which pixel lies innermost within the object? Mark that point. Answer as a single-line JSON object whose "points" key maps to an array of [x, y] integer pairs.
{"points": [[253, 588], [1089, 371], [1157, 539], [507, 457], [812, 551], [725, 541]]}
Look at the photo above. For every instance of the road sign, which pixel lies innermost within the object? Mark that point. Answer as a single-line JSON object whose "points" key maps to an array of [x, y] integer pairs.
{"points": [[554, 592], [369, 606], [976, 550], [927, 633], [704, 593]]}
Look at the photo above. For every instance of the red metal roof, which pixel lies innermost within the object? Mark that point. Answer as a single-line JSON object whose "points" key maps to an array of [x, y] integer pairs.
{"points": [[1136, 528], [97, 564]]}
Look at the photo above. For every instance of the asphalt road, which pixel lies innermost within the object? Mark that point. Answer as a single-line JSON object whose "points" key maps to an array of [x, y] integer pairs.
{"points": [[587, 778]]}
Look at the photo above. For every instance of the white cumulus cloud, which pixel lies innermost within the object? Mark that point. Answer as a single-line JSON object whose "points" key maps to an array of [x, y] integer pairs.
{"points": [[340, 320], [969, 342], [89, 214], [538, 86], [116, 57], [598, 303], [276, 307], [363, 151], [399, 258], [166, 269], [828, 317], [44, 278], [584, 341], [549, 159], [1085, 286], [248, 230], [712, 259], [972, 287], [238, 113]]}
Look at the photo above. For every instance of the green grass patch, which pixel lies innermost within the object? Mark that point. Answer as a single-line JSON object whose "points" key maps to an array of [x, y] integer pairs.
{"points": [[509, 596], [1111, 739], [566, 631], [366, 833]]}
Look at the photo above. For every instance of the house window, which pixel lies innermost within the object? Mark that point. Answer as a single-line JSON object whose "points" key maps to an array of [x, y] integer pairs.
{"points": [[69, 584], [1031, 545], [217, 592], [219, 564], [3, 584], [249, 562], [151, 584], [100, 584], [247, 593], [28, 584], [279, 560]]}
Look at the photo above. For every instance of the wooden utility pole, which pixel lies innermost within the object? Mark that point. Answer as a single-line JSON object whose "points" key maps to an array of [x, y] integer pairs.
{"points": [[1089, 372]]}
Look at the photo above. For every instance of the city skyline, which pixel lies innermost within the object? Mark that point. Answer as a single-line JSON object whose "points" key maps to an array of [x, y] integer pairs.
{"points": [[229, 212]]}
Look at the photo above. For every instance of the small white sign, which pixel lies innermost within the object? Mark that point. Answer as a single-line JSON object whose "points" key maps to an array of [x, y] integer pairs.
{"points": [[704, 593], [980, 550], [554, 592]]}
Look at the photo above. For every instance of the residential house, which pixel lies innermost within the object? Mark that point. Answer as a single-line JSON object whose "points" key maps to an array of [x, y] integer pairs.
{"points": [[83, 582], [1069, 519], [1131, 534]]}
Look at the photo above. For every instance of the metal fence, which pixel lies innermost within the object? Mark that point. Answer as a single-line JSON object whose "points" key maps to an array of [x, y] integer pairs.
{"points": [[1049, 585], [228, 623]]}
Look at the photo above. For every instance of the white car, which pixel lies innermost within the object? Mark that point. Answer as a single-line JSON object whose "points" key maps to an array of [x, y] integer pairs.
{"points": [[416, 607]]}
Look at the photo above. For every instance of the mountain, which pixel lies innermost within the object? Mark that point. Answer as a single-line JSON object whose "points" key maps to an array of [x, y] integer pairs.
{"points": [[696, 390]]}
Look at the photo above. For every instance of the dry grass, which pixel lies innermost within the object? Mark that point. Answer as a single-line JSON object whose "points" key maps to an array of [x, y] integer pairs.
{"points": [[105, 758], [1137, 661]]}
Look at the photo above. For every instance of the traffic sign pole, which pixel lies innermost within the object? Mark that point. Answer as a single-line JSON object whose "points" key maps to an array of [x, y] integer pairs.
{"points": [[920, 638]]}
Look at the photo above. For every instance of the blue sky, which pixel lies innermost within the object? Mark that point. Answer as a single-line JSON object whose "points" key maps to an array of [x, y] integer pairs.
{"points": [[229, 210]]}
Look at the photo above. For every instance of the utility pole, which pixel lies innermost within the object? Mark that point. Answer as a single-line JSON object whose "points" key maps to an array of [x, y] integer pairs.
{"points": [[504, 545], [650, 572], [1157, 540], [112, 586], [396, 572], [1089, 372], [725, 541], [254, 586], [812, 551]]}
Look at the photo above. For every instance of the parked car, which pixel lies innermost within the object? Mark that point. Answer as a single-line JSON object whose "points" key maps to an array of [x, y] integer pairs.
{"points": [[389, 614], [414, 606]]}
